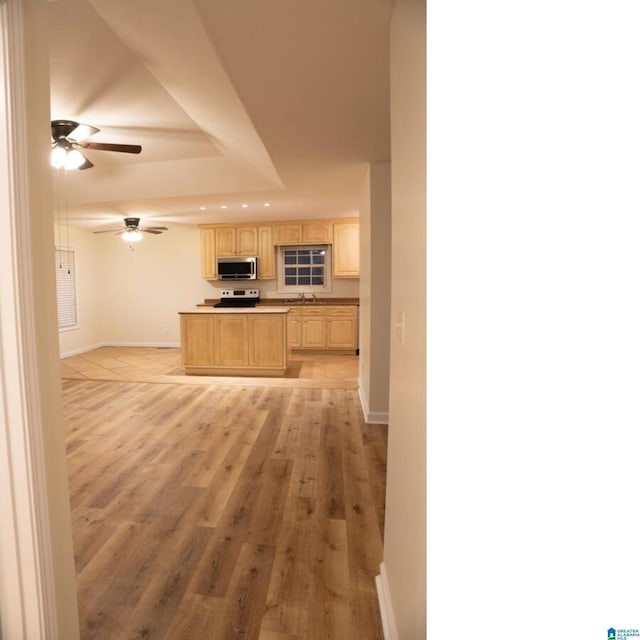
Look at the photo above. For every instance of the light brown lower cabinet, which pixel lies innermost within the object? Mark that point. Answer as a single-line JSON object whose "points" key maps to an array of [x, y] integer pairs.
{"points": [[251, 344], [324, 327]]}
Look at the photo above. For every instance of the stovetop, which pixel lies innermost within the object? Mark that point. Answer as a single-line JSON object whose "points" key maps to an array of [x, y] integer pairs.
{"points": [[238, 298]]}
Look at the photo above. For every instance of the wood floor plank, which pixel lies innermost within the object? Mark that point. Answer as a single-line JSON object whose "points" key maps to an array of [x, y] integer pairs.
{"points": [[247, 593], [329, 612], [286, 609], [176, 558], [196, 617], [90, 532]]}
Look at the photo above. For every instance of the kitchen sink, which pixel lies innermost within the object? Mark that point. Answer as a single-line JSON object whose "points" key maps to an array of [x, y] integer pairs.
{"points": [[303, 302]]}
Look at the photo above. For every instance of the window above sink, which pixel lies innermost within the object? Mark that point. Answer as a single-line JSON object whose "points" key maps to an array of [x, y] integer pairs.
{"points": [[304, 269]]}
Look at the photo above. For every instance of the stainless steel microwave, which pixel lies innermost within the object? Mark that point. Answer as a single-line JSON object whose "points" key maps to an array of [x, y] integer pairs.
{"points": [[238, 268]]}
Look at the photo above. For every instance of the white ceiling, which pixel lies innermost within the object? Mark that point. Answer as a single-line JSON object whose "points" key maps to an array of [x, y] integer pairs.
{"points": [[233, 101]]}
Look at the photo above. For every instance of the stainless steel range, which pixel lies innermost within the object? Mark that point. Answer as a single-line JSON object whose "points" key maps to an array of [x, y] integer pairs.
{"points": [[238, 298]]}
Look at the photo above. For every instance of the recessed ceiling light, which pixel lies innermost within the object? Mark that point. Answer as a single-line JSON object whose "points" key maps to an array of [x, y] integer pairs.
{"points": [[203, 208], [244, 206], [224, 206], [267, 204]]}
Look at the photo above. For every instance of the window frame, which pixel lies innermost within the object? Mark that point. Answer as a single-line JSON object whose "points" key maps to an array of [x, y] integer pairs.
{"points": [[281, 287]]}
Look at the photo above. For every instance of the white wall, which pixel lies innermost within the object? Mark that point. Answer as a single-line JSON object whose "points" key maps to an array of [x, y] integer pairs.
{"points": [[145, 284], [405, 526], [340, 288], [375, 291]]}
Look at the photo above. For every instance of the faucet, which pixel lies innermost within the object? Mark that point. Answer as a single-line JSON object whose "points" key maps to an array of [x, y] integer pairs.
{"points": [[313, 295], [301, 296]]}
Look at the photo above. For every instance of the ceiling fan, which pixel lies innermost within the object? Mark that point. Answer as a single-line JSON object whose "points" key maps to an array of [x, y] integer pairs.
{"points": [[68, 136], [131, 232]]}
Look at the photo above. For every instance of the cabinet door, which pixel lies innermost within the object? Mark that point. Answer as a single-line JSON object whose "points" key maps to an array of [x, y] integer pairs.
{"points": [[316, 232], [231, 340], [196, 339], [266, 254], [341, 333], [294, 329], [346, 250], [226, 241], [246, 241], [287, 233], [313, 333], [208, 254], [267, 344]]}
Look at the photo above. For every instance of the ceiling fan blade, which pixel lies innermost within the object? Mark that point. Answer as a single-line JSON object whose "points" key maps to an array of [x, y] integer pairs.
{"points": [[109, 231], [107, 146], [87, 164], [155, 231], [81, 132]]}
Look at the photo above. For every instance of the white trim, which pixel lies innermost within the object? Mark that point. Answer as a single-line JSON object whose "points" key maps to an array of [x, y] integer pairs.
{"points": [[371, 417], [76, 352], [27, 586], [389, 629], [157, 345]]}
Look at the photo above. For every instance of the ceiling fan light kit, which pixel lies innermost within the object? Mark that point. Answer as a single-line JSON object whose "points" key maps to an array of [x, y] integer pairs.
{"points": [[132, 235], [68, 135], [132, 231]]}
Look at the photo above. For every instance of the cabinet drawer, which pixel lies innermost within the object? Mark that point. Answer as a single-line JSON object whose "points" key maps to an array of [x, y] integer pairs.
{"points": [[314, 311], [341, 311]]}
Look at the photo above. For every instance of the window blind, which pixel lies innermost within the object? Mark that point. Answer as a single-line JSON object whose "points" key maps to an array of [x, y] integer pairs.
{"points": [[66, 288]]}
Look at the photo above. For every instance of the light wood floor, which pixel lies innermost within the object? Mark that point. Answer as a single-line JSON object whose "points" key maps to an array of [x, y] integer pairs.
{"points": [[222, 508]]}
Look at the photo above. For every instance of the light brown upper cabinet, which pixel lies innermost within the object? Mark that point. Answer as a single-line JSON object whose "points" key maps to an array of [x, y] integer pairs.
{"points": [[266, 254], [346, 250], [313, 232], [208, 265], [236, 241]]}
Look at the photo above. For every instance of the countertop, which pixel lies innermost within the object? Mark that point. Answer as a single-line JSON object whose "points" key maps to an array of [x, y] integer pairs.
{"points": [[207, 308], [279, 302]]}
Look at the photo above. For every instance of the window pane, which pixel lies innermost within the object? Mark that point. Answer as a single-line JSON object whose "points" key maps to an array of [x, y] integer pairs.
{"points": [[304, 280]]}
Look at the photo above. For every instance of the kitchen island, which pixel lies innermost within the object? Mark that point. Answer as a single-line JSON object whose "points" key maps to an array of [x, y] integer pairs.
{"points": [[234, 341]]}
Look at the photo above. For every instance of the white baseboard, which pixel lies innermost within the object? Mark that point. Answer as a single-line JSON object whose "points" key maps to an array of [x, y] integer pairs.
{"points": [[75, 352], [157, 345], [386, 609], [371, 417]]}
